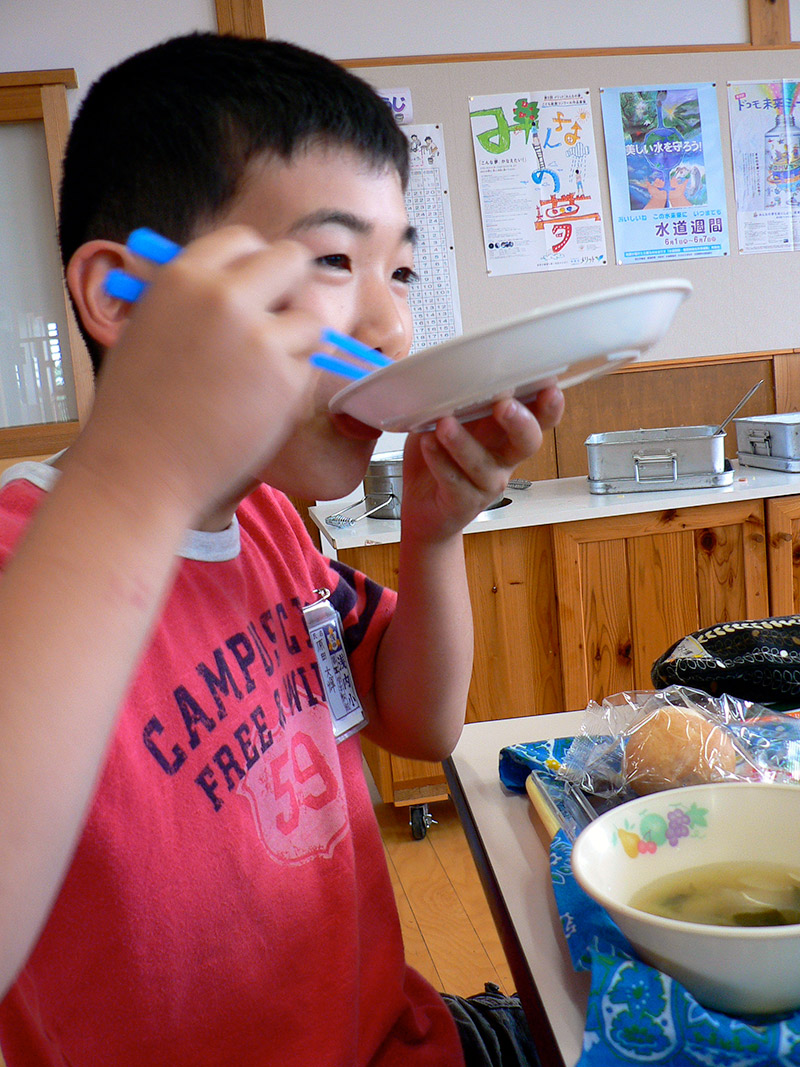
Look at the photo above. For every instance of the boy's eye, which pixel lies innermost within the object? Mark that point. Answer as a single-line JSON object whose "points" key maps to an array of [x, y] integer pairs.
{"points": [[405, 275], [337, 261]]}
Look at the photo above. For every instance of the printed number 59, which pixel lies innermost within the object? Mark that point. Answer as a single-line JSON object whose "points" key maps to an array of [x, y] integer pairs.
{"points": [[301, 775]]}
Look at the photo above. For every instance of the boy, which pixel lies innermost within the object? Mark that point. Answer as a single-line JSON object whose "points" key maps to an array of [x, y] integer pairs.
{"points": [[191, 872]]}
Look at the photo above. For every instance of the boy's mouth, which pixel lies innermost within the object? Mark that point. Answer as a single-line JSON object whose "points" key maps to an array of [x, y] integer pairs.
{"points": [[347, 426]]}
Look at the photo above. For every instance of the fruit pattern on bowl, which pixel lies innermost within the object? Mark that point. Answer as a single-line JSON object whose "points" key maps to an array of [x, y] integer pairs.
{"points": [[654, 831]]}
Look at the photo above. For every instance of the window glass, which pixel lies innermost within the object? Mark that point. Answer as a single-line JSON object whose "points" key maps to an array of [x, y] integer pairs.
{"points": [[36, 384]]}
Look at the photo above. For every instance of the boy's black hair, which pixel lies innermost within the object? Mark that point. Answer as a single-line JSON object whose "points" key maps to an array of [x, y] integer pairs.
{"points": [[164, 138]]}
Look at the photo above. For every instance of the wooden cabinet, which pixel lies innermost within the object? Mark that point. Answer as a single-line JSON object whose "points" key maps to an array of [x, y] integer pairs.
{"points": [[517, 666], [573, 612], [783, 528], [628, 587]]}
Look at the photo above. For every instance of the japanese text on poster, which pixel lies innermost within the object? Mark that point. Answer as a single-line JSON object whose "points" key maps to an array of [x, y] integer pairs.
{"points": [[665, 172], [435, 307], [765, 143], [537, 181], [399, 100]]}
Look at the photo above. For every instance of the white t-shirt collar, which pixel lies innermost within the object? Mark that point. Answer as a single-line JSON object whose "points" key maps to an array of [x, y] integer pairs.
{"points": [[202, 545]]}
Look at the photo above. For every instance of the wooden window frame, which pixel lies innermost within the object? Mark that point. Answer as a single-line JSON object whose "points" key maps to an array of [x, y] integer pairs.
{"points": [[41, 96]]}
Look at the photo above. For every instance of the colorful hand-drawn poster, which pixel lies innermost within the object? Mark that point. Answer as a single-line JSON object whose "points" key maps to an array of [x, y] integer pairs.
{"points": [[765, 144], [665, 172], [537, 181]]}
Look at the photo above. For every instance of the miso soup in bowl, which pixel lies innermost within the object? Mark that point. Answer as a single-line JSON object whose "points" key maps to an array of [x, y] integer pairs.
{"points": [[704, 881]]}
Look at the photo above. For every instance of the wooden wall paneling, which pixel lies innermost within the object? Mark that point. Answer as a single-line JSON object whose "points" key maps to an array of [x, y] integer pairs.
{"points": [[663, 597], [542, 466], [607, 618], [783, 534], [769, 23], [245, 18], [666, 582], [731, 566], [570, 571], [380, 562], [754, 563], [692, 392], [786, 377], [718, 554], [511, 580], [21, 103]]}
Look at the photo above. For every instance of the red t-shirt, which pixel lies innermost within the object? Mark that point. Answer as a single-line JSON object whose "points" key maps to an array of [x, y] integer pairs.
{"points": [[229, 902]]}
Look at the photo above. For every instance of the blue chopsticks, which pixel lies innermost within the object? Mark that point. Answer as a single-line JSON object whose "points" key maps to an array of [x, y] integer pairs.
{"points": [[151, 245]]}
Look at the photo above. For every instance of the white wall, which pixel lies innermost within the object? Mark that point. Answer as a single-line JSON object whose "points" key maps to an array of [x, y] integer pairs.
{"points": [[91, 35], [354, 29]]}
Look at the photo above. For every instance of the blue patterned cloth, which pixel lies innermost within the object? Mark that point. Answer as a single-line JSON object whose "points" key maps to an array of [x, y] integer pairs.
{"points": [[637, 1015]]}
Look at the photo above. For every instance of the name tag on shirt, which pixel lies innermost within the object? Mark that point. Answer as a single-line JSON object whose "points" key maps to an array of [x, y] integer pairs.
{"points": [[324, 626]]}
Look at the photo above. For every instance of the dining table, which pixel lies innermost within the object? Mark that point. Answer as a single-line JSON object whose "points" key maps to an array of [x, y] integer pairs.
{"points": [[510, 845]]}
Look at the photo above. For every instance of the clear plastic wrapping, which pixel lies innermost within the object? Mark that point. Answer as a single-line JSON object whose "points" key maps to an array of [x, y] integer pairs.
{"points": [[645, 741]]}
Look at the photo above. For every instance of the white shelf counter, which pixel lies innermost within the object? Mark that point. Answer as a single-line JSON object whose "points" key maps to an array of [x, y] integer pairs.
{"points": [[565, 500]]}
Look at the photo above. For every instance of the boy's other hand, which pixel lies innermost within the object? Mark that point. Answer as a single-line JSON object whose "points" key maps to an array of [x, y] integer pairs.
{"points": [[207, 377], [455, 471]]}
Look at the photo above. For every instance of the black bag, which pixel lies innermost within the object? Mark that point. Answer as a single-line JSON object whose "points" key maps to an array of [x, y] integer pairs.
{"points": [[757, 661]]}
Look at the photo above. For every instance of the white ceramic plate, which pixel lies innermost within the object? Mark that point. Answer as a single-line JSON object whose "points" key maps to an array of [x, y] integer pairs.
{"points": [[564, 343]]}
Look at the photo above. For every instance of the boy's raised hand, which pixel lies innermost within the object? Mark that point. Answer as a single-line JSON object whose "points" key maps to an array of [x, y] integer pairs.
{"points": [[210, 367], [454, 472]]}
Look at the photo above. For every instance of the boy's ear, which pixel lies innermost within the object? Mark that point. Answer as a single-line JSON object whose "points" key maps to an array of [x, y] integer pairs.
{"points": [[103, 316]]}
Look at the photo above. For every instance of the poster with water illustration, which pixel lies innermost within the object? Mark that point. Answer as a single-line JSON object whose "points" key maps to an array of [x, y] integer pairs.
{"points": [[538, 183], [665, 172], [765, 144]]}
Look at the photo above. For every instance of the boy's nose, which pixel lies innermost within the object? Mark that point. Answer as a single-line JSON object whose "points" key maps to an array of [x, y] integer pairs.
{"points": [[385, 323]]}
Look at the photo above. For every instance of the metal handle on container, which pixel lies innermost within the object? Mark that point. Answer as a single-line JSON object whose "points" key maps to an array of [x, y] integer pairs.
{"points": [[760, 437], [342, 519], [640, 461]]}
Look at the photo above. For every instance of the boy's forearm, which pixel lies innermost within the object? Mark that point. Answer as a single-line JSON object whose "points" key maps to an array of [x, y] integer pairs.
{"points": [[424, 664], [76, 607]]}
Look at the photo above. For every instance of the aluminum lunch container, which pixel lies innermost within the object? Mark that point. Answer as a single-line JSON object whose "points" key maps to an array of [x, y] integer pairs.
{"points": [[771, 441], [383, 485], [383, 493], [671, 457]]}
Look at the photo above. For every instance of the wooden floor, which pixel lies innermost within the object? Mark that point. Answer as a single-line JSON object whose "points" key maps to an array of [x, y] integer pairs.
{"points": [[448, 930]]}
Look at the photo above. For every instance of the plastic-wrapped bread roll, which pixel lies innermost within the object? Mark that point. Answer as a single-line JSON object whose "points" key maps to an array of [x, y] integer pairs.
{"points": [[674, 747]]}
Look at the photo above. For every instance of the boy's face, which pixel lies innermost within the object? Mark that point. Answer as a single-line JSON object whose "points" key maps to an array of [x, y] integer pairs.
{"points": [[353, 219]]}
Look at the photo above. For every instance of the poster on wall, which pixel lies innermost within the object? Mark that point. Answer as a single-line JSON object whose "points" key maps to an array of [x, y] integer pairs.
{"points": [[765, 144], [537, 181], [665, 172], [435, 307], [399, 100]]}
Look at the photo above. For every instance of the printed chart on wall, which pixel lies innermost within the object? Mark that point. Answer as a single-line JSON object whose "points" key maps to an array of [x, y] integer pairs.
{"points": [[434, 299], [765, 143], [665, 172], [537, 181]]}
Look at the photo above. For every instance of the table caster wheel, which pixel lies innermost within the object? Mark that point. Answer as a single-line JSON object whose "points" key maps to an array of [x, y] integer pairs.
{"points": [[420, 820]]}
